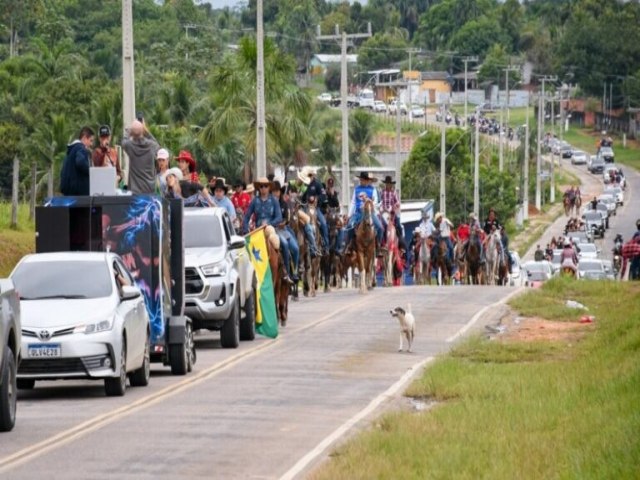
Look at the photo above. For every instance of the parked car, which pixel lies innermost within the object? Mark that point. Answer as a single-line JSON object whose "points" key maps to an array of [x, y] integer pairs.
{"points": [[558, 147], [393, 105], [565, 150], [588, 250], [82, 317], [596, 164], [536, 273], [10, 352], [417, 111], [324, 97], [578, 157], [607, 154], [591, 269], [594, 222], [379, 106], [220, 281]]}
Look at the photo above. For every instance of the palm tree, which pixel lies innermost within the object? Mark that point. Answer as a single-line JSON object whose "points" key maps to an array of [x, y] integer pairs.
{"points": [[361, 135], [328, 152]]}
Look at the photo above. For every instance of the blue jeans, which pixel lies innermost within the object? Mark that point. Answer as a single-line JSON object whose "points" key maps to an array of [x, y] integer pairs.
{"points": [[356, 218], [324, 231], [289, 247], [634, 268]]}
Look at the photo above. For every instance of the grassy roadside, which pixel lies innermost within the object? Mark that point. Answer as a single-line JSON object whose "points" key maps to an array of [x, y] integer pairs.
{"points": [[14, 244], [556, 408]]}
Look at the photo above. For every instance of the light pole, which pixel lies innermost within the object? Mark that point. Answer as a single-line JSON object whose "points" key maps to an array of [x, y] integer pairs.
{"points": [[466, 60], [261, 136], [525, 193]]}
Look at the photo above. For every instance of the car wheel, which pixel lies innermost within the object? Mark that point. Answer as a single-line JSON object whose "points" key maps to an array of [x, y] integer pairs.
{"points": [[8, 392], [248, 323], [230, 331], [140, 377], [181, 356], [26, 383], [116, 386]]}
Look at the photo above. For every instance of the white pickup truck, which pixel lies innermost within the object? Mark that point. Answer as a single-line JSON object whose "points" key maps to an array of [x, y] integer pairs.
{"points": [[10, 340], [220, 281]]}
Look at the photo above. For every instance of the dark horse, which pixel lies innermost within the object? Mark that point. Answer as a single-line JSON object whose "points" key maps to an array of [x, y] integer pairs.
{"points": [[441, 260], [366, 247], [331, 263], [472, 259]]}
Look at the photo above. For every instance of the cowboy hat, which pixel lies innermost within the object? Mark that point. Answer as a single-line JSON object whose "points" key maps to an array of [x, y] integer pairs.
{"points": [[388, 179], [438, 216], [250, 189], [365, 176], [219, 183], [304, 173], [472, 215], [261, 181], [175, 171], [186, 156]]}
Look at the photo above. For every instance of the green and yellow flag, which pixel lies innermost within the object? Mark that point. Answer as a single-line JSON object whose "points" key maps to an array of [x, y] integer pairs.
{"points": [[266, 317]]}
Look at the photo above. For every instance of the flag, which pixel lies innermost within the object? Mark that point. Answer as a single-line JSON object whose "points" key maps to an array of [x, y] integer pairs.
{"points": [[266, 317]]}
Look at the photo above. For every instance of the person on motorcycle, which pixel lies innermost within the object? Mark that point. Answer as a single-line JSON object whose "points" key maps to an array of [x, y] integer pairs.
{"points": [[568, 258]]}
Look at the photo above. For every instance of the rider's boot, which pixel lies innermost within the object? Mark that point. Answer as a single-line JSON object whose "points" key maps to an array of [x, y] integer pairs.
{"points": [[311, 241]]}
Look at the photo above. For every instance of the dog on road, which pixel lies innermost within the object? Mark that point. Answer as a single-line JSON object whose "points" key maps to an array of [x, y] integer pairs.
{"points": [[407, 325]]}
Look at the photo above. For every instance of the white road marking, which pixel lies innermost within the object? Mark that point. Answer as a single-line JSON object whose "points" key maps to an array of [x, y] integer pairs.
{"points": [[28, 453], [482, 311], [345, 427]]}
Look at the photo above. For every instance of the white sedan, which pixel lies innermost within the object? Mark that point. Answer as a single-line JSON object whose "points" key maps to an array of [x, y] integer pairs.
{"points": [[82, 317], [592, 269], [588, 250], [379, 106], [578, 157], [417, 111], [536, 273]]}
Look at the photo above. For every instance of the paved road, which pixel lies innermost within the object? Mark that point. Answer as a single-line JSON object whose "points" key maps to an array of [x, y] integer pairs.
{"points": [[255, 412]]}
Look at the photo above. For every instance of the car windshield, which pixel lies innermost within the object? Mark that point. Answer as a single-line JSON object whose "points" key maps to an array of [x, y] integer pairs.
{"points": [[587, 248], [62, 279], [537, 267], [591, 215], [584, 266], [202, 231], [538, 276]]}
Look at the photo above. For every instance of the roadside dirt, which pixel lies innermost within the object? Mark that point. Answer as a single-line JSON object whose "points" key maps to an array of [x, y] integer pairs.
{"points": [[533, 329]]}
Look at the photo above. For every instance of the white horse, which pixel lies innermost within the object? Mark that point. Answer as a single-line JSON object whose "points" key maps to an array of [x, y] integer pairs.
{"points": [[493, 257]]}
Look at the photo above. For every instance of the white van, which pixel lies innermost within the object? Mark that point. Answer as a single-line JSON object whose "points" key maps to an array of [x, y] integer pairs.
{"points": [[365, 98]]}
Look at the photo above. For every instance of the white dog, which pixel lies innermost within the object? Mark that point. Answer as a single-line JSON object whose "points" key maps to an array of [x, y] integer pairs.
{"points": [[407, 325]]}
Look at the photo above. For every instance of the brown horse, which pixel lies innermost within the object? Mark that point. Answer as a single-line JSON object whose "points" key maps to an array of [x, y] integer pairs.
{"points": [[366, 246], [330, 264], [312, 265], [441, 261], [280, 287], [472, 260]]}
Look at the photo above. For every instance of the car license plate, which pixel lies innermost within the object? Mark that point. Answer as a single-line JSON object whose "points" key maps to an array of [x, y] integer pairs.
{"points": [[51, 350]]}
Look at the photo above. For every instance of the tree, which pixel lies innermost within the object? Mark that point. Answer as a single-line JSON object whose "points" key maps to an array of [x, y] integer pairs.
{"points": [[361, 135], [381, 50], [297, 21], [477, 36]]}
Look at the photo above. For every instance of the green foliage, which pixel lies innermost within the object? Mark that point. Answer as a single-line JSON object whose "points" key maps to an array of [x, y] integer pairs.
{"points": [[382, 50]]}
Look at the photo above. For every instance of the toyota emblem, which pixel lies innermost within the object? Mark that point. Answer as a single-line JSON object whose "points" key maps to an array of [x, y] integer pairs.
{"points": [[44, 334]]}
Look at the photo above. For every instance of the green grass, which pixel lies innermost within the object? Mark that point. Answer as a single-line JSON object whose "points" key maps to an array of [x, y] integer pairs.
{"points": [[544, 409], [14, 243], [586, 138]]}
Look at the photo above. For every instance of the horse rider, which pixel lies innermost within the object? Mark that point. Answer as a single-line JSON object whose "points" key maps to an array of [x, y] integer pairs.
{"points": [[316, 189], [426, 226], [333, 200], [474, 226], [362, 191], [504, 238], [240, 198], [443, 228], [290, 248], [291, 196], [390, 202], [491, 222]]}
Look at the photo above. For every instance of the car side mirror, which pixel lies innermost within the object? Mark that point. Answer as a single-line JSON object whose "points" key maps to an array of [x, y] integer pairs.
{"points": [[236, 242], [129, 292]]}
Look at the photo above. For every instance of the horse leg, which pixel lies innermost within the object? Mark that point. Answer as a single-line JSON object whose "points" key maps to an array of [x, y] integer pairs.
{"points": [[363, 273]]}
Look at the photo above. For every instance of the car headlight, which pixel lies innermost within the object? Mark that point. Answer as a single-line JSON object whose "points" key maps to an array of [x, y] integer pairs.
{"points": [[214, 269], [101, 326]]}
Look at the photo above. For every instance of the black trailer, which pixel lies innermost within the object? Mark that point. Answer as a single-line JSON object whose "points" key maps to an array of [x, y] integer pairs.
{"points": [[146, 231]]}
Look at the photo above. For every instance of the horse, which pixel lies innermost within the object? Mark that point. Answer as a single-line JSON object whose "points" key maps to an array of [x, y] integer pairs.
{"points": [[330, 264], [441, 261], [459, 261], [422, 261], [312, 265], [366, 246], [280, 287], [472, 260], [391, 256], [493, 249], [568, 205], [577, 203]]}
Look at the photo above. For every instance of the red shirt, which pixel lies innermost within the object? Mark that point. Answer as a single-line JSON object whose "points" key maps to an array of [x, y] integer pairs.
{"points": [[463, 232], [241, 200]]}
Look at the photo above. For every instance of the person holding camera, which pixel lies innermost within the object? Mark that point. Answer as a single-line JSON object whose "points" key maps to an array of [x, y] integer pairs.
{"points": [[141, 148], [104, 154]]}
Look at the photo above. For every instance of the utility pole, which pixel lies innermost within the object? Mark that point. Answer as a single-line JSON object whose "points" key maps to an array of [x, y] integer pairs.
{"points": [[443, 157], [343, 37], [398, 138], [128, 68], [261, 136], [540, 127], [476, 172], [552, 193], [507, 70], [500, 143], [525, 194], [411, 50], [186, 36], [466, 60]]}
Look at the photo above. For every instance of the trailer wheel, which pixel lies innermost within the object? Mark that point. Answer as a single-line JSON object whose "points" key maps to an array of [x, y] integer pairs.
{"points": [[8, 392], [182, 355], [230, 331], [248, 323]]}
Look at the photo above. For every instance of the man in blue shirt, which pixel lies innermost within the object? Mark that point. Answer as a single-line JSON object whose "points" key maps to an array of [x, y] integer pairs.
{"points": [[316, 190], [367, 189], [264, 206], [220, 197]]}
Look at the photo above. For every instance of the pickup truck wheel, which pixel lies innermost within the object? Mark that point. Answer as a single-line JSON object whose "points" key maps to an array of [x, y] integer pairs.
{"points": [[140, 377], [181, 356], [230, 331], [248, 323], [26, 383], [8, 392], [115, 387]]}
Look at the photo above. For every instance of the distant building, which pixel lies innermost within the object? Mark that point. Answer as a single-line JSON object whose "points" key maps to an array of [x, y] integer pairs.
{"points": [[321, 61]]}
